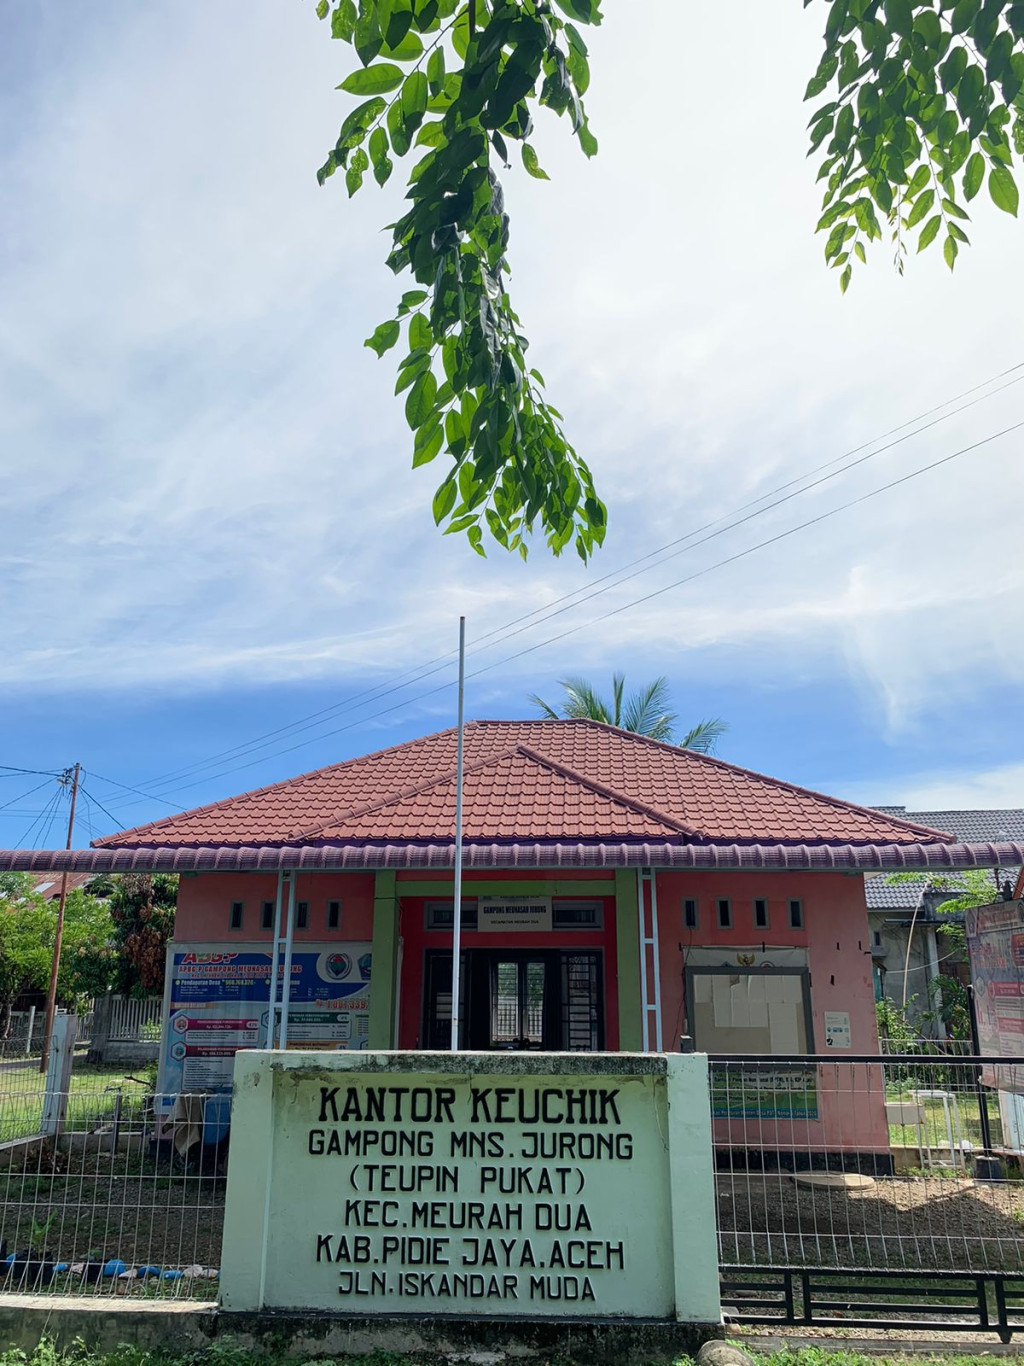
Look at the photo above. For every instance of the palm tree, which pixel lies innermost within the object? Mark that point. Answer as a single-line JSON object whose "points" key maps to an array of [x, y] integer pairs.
{"points": [[645, 712]]}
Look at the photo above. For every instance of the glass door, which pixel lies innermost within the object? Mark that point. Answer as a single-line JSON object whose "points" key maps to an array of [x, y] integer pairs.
{"points": [[522, 995]]}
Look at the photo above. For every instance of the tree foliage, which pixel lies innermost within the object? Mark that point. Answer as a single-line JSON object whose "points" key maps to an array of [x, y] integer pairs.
{"points": [[459, 84], [647, 711], [924, 106], [142, 909], [27, 928]]}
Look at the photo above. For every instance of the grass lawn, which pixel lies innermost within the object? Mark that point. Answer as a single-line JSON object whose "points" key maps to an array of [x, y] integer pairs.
{"points": [[225, 1353], [91, 1099]]}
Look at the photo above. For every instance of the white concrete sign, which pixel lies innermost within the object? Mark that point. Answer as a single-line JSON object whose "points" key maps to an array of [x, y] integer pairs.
{"points": [[474, 1184]]}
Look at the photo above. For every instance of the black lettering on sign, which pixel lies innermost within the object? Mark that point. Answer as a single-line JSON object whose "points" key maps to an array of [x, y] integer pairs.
{"points": [[467, 1214], [561, 1218], [355, 1251], [389, 1177], [586, 1254], [477, 1145], [540, 1144], [489, 1252], [414, 1251], [561, 1288], [372, 1213], [531, 1180], [362, 1283], [443, 1285]]}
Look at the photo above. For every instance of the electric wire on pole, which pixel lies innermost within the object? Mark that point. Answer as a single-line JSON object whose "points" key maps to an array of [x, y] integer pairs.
{"points": [[68, 776]]}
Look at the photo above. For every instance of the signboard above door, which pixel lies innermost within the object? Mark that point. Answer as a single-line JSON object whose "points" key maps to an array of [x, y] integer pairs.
{"points": [[513, 915]]}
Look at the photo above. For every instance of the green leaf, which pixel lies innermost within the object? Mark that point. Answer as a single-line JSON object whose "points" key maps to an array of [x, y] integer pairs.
{"points": [[922, 204], [322, 8], [974, 176], [429, 440], [420, 333], [583, 11], [357, 167], [953, 68], [532, 164], [373, 80], [949, 251], [420, 403], [410, 47], [435, 71], [1003, 189], [444, 500], [343, 20], [414, 97], [929, 232], [384, 337]]}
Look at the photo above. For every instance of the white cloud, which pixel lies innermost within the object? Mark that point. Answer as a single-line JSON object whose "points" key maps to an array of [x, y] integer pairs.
{"points": [[949, 790]]}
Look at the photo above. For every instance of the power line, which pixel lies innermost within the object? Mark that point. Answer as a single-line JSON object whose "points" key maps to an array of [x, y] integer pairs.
{"points": [[24, 795], [137, 790], [50, 807], [648, 597], [98, 803], [587, 592], [761, 545]]}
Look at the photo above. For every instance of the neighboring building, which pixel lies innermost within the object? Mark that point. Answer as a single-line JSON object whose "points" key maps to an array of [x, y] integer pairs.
{"points": [[48, 884], [902, 914], [619, 894]]}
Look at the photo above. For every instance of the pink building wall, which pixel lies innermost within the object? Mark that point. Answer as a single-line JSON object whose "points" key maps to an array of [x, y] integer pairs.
{"points": [[837, 940], [834, 934], [204, 903]]}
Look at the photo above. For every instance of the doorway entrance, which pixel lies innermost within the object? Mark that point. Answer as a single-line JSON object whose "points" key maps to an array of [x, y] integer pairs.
{"points": [[533, 1000]]}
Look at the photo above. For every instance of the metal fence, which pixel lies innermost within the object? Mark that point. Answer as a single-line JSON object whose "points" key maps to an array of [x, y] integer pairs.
{"points": [[115, 1202], [871, 1188], [134, 1018], [902, 1163]]}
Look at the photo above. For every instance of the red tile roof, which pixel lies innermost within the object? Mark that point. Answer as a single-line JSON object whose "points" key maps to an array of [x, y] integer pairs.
{"points": [[528, 781]]}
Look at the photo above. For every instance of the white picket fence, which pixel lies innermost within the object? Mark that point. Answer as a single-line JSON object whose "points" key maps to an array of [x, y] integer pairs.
{"points": [[133, 1019]]}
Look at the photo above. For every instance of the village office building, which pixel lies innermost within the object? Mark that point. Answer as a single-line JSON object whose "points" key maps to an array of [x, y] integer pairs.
{"points": [[619, 894]]}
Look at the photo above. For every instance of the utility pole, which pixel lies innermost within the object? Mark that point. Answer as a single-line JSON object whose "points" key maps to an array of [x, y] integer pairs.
{"points": [[457, 915], [69, 776]]}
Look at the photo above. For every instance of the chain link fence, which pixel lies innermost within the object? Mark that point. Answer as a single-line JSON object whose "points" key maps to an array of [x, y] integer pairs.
{"points": [[889, 1162]]}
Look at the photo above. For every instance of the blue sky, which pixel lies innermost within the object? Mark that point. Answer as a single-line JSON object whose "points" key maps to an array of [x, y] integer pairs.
{"points": [[212, 528]]}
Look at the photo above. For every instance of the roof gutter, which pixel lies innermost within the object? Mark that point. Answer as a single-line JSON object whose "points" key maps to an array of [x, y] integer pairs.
{"points": [[541, 854]]}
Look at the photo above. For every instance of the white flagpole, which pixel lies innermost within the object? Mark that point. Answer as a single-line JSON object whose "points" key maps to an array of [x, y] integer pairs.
{"points": [[457, 911]]}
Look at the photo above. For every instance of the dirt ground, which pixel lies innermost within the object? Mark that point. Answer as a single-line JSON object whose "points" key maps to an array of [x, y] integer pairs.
{"points": [[939, 1223]]}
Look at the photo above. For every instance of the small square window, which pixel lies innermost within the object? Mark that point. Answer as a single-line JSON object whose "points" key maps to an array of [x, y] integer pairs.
{"points": [[796, 915], [302, 915], [689, 913], [267, 916], [237, 910], [760, 913], [724, 914], [333, 915]]}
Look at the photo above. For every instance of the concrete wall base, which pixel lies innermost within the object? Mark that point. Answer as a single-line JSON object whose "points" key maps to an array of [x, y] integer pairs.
{"points": [[185, 1327]]}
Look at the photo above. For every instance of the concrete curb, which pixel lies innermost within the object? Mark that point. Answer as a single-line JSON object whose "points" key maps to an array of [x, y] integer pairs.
{"points": [[104, 1325]]}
